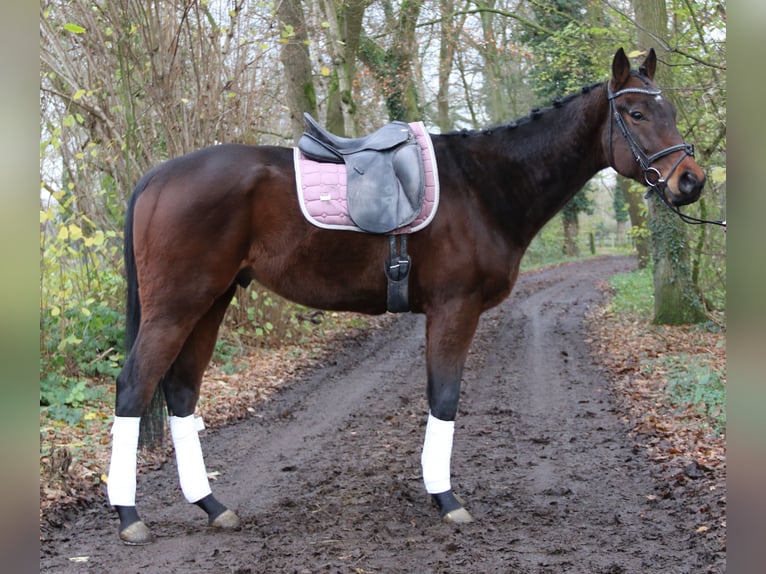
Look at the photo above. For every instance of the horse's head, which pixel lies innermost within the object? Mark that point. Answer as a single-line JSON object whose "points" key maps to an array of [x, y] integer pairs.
{"points": [[642, 137]]}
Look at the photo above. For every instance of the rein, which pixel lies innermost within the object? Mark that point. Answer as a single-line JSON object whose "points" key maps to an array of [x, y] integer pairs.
{"points": [[652, 176]]}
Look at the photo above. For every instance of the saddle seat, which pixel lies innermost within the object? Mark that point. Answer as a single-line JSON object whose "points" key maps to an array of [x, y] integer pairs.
{"points": [[321, 145], [385, 175]]}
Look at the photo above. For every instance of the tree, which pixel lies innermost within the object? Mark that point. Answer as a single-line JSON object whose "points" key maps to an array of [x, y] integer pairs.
{"points": [[301, 94], [637, 214], [392, 65], [580, 203], [449, 30], [676, 300], [620, 207], [344, 28], [125, 85], [563, 67]]}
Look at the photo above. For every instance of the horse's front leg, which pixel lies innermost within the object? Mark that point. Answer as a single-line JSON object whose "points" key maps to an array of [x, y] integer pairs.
{"points": [[449, 331]]}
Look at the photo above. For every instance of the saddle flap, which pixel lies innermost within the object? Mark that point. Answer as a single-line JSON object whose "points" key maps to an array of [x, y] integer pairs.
{"points": [[385, 190]]}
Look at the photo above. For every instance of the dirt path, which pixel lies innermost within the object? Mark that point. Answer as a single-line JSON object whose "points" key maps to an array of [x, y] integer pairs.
{"points": [[326, 476]]}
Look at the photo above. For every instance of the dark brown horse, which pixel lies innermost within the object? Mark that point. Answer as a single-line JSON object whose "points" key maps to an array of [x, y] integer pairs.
{"points": [[202, 224]]}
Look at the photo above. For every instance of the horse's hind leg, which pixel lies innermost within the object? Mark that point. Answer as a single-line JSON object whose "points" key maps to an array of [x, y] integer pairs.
{"points": [[182, 387], [156, 347], [175, 351]]}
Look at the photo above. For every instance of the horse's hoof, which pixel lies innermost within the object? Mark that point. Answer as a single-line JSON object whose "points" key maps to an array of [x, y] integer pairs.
{"points": [[137, 534], [458, 516], [226, 520]]}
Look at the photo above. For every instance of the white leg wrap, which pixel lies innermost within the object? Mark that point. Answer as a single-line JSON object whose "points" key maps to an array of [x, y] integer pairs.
{"points": [[437, 452], [191, 465], [121, 484]]}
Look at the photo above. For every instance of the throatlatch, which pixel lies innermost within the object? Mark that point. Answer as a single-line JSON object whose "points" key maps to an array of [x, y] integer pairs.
{"points": [[397, 268]]}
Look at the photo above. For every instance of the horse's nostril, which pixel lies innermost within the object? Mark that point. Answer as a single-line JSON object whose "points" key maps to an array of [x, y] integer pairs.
{"points": [[688, 183]]}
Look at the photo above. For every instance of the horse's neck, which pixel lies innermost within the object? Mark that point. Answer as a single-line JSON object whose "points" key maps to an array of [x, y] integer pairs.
{"points": [[546, 161]]}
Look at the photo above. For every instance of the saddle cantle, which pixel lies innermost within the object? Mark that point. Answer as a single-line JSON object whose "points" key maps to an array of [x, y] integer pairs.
{"points": [[384, 172]]}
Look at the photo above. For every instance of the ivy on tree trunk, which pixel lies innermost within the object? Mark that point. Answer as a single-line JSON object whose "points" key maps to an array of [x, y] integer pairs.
{"points": [[676, 300]]}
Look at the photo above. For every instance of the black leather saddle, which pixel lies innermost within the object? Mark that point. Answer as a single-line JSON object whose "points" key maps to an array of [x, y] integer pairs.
{"points": [[384, 171]]}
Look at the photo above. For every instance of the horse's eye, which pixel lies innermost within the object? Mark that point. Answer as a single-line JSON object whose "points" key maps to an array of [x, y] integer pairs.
{"points": [[636, 115]]}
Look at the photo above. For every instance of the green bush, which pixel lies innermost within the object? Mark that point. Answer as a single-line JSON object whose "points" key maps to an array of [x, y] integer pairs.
{"points": [[65, 399], [81, 317]]}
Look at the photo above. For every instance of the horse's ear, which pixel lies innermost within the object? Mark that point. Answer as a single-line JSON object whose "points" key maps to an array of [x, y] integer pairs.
{"points": [[649, 65], [620, 69]]}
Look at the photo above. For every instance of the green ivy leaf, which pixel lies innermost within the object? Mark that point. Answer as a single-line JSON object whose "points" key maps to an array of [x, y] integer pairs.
{"points": [[74, 28]]}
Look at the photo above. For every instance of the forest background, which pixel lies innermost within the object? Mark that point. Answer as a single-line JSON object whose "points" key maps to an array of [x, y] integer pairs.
{"points": [[126, 85]]}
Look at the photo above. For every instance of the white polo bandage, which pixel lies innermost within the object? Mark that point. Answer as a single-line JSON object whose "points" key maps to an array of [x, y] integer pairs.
{"points": [[121, 483], [191, 465], [437, 452]]}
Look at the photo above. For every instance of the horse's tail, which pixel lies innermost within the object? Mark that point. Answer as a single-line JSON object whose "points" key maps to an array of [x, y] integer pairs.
{"points": [[133, 303], [152, 427]]}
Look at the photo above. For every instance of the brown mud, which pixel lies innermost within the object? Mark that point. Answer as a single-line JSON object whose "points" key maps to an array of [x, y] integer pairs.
{"points": [[326, 475]]}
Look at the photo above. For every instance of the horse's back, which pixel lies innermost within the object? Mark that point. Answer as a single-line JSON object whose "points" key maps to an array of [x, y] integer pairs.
{"points": [[213, 170]]}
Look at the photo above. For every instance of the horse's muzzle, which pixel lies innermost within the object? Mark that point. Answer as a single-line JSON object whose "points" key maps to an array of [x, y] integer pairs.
{"points": [[689, 188]]}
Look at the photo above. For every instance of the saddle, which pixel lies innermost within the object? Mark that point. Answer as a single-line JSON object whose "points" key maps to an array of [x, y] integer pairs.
{"points": [[384, 171]]}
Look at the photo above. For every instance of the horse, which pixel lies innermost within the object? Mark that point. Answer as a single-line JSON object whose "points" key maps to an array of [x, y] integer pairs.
{"points": [[200, 225]]}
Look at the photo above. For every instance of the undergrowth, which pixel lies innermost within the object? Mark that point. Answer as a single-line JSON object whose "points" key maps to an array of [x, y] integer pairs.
{"points": [[695, 386]]}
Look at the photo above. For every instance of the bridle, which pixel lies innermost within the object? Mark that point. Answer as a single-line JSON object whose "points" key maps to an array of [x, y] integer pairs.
{"points": [[652, 176]]}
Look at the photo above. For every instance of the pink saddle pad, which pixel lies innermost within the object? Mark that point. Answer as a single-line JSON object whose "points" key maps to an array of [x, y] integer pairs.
{"points": [[322, 189]]}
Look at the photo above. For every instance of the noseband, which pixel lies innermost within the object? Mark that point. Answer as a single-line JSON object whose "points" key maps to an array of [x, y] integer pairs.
{"points": [[652, 175]]}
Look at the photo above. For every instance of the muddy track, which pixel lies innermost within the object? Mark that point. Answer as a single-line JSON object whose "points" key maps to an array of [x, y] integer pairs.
{"points": [[326, 476]]}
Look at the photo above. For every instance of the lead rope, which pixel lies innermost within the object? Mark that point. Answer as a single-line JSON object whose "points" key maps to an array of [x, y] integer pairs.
{"points": [[690, 219]]}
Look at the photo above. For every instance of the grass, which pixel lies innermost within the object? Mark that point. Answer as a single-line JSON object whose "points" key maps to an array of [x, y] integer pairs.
{"points": [[633, 294]]}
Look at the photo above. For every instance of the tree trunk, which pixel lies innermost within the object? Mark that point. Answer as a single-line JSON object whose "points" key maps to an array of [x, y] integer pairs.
{"points": [[344, 30], [639, 230], [295, 58], [448, 33], [392, 68], [493, 71], [571, 229], [676, 300]]}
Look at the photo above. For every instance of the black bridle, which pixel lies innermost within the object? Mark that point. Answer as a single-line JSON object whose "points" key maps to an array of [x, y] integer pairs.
{"points": [[652, 176]]}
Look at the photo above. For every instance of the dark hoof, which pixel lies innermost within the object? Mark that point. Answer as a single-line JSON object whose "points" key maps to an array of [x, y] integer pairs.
{"points": [[451, 508], [458, 516], [137, 534], [227, 520]]}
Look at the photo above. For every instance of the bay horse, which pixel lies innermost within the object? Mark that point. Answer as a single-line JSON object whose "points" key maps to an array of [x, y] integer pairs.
{"points": [[199, 225]]}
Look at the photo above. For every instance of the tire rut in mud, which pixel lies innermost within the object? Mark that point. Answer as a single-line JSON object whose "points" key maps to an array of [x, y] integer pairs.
{"points": [[326, 476]]}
